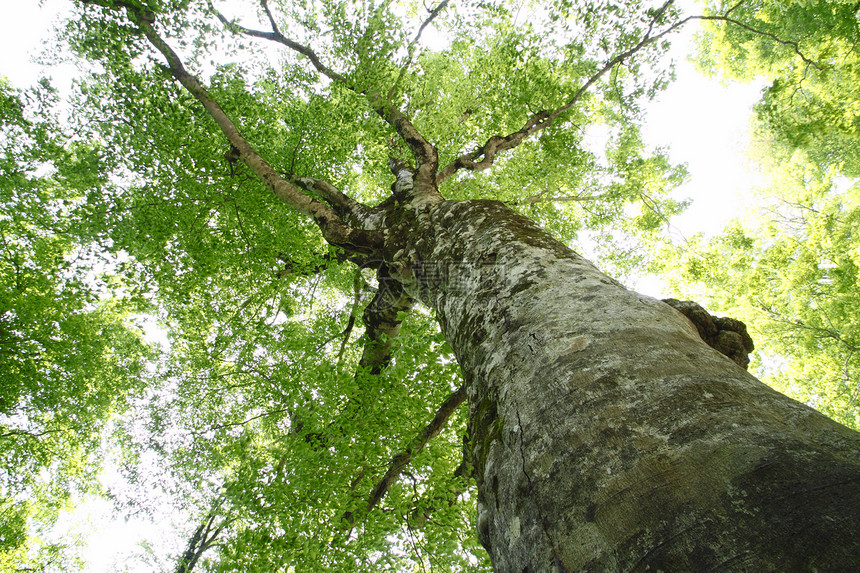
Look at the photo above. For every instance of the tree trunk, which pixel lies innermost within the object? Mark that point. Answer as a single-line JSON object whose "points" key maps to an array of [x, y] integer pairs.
{"points": [[605, 435]]}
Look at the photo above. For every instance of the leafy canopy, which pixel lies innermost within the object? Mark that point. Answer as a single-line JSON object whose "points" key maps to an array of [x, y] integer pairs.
{"points": [[71, 353]]}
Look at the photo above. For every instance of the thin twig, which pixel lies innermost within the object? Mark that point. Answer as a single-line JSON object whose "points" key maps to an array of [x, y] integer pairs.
{"points": [[276, 36], [27, 434], [543, 197], [412, 44], [242, 423], [774, 37]]}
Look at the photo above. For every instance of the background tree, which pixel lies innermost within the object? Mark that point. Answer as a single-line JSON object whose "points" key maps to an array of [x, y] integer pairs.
{"points": [[811, 101], [791, 269], [299, 444]]}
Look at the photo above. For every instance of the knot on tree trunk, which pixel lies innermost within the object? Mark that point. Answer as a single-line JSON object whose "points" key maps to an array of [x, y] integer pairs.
{"points": [[726, 335]]}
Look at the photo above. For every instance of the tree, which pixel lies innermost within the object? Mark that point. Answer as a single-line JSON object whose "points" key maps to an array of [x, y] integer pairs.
{"points": [[602, 432], [810, 103]]}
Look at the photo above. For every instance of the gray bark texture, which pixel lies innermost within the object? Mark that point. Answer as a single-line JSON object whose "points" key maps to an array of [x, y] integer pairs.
{"points": [[605, 434]]}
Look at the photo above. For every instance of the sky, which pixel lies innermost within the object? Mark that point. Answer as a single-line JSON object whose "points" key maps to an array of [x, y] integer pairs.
{"points": [[23, 28], [706, 125], [701, 121]]}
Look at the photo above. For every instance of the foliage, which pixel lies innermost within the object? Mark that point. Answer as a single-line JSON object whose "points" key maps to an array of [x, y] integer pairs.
{"points": [[260, 421], [70, 355], [791, 273], [812, 100]]}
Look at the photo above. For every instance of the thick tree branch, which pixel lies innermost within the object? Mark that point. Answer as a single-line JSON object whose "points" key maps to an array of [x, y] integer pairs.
{"points": [[484, 156], [359, 285], [291, 267], [494, 145], [426, 157], [382, 318], [400, 461], [356, 214], [265, 5], [335, 231]]}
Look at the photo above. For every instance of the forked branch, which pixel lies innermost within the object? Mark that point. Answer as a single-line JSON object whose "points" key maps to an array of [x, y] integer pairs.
{"points": [[356, 214], [484, 157], [425, 154], [203, 538], [276, 36]]}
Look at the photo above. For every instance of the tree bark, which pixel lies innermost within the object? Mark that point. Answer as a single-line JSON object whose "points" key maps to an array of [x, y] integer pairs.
{"points": [[605, 434]]}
